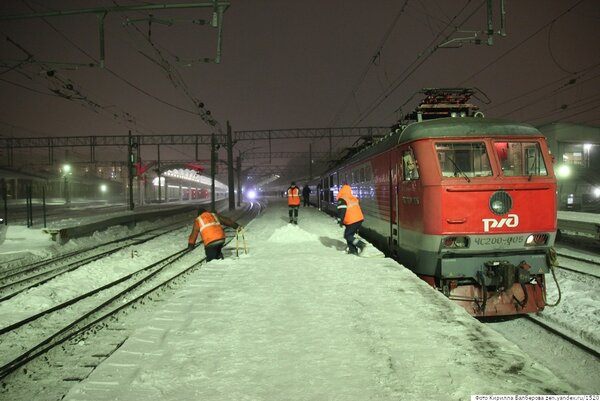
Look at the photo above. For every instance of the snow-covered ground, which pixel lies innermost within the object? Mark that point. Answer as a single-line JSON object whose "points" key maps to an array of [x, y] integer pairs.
{"points": [[298, 319]]}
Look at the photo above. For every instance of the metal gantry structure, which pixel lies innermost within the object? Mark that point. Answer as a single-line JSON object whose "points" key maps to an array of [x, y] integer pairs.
{"points": [[51, 144], [135, 143], [215, 140], [218, 6]]}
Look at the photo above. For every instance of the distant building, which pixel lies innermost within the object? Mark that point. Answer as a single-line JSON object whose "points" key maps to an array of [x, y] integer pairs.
{"points": [[576, 144], [576, 151]]}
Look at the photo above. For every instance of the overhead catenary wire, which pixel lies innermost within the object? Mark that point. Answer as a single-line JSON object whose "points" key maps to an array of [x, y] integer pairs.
{"points": [[595, 102], [582, 71], [535, 33], [110, 71], [421, 58], [551, 53], [372, 61], [570, 83], [61, 87], [176, 79], [395, 84], [535, 101]]}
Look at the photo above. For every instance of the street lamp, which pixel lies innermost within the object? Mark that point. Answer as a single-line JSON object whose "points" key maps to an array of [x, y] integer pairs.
{"points": [[66, 170]]}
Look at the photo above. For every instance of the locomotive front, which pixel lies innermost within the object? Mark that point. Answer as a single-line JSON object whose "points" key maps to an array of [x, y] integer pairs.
{"points": [[489, 212]]}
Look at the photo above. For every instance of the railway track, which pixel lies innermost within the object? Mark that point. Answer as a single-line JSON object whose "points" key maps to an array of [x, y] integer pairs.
{"points": [[82, 316], [65, 321], [555, 346], [17, 280], [585, 265], [554, 329]]}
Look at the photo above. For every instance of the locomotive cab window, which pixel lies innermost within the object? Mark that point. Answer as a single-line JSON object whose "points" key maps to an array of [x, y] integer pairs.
{"points": [[463, 159], [521, 158]]}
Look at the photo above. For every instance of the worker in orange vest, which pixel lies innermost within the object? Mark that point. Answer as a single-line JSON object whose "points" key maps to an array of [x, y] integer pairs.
{"points": [[208, 225], [350, 215], [293, 194]]}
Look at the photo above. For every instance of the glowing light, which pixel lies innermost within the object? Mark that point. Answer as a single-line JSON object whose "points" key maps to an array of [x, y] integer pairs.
{"points": [[596, 192], [103, 188], [251, 194], [563, 171]]}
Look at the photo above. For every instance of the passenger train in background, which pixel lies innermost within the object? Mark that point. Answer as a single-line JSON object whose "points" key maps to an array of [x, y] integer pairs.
{"points": [[465, 202]]}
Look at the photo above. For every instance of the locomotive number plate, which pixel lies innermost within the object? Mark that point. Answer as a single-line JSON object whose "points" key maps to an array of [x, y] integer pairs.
{"points": [[505, 241]]}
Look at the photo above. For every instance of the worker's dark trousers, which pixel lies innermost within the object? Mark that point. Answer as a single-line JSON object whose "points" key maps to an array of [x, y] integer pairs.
{"points": [[293, 212], [349, 233]]}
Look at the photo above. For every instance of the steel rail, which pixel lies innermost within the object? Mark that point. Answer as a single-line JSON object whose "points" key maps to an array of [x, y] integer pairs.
{"points": [[87, 320], [554, 330], [580, 259], [47, 275], [6, 274]]}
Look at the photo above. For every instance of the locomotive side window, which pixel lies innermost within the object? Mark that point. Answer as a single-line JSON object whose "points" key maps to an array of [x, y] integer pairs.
{"points": [[521, 158], [463, 159], [332, 187], [409, 164]]}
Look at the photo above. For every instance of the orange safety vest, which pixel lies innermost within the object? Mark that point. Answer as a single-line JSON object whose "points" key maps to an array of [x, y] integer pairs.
{"points": [[209, 227], [293, 196], [353, 211]]}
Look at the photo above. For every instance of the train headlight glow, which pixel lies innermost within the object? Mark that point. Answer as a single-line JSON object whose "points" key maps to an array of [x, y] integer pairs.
{"points": [[596, 192], [563, 171], [536, 240], [251, 194]]}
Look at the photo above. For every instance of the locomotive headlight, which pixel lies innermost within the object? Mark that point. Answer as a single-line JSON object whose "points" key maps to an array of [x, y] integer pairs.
{"points": [[500, 203], [536, 240], [498, 206], [596, 192], [461, 242], [455, 242]]}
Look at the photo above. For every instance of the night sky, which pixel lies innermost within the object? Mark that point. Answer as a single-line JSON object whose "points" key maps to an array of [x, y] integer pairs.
{"points": [[291, 64]]}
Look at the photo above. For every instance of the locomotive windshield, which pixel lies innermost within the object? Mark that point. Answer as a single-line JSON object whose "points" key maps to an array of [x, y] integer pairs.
{"points": [[521, 158], [463, 159]]}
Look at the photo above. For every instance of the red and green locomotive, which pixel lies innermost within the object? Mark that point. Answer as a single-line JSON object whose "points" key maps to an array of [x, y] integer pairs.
{"points": [[465, 202]]}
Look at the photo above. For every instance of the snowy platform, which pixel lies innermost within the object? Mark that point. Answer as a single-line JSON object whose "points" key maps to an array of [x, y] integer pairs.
{"points": [[82, 227], [298, 319], [580, 224]]}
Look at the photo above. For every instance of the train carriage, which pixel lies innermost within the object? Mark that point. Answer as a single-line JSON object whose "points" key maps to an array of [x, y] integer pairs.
{"points": [[466, 203]]}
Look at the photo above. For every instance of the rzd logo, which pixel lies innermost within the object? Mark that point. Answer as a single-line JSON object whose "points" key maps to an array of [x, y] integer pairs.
{"points": [[511, 221]]}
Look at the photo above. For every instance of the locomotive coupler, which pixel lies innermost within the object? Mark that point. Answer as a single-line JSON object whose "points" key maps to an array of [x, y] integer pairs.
{"points": [[503, 274], [499, 274]]}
